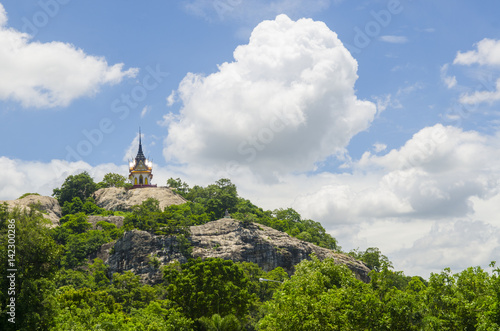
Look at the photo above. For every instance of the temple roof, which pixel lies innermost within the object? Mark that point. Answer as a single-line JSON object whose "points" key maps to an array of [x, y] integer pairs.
{"points": [[140, 155]]}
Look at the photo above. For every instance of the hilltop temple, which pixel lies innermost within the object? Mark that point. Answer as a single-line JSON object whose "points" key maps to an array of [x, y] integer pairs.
{"points": [[141, 169]]}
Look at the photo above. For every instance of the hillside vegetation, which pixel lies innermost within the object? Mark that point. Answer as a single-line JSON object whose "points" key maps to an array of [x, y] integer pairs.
{"points": [[58, 288]]}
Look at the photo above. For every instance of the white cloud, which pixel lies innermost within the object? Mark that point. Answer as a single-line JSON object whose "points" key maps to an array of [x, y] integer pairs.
{"points": [[394, 39], [452, 243], [430, 204], [3, 16], [285, 103], [53, 74], [450, 81], [378, 147], [145, 110], [435, 174], [482, 96], [387, 101], [171, 99], [131, 151], [487, 53], [19, 177]]}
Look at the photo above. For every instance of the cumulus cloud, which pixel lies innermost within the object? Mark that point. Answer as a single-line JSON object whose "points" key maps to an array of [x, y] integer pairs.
{"points": [[451, 243], [430, 204], [487, 53], [53, 74], [435, 174], [488, 96], [286, 102]]}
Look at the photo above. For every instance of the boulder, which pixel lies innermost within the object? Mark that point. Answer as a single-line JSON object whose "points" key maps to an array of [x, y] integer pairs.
{"points": [[121, 199], [48, 206]]}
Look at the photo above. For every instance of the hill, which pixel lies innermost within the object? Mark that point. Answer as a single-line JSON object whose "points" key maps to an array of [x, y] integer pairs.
{"points": [[226, 238]]}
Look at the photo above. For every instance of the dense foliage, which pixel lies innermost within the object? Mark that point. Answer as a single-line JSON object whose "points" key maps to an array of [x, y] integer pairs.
{"points": [[59, 286], [75, 186]]}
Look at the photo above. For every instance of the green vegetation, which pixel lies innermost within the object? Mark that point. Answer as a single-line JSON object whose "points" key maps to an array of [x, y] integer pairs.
{"points": [[26, 194], [82, 186], [79, 186], [113, 180], [326, 296], [58, 287]]}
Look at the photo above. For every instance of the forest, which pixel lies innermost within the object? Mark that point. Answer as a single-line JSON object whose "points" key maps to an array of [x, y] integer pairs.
{"points": [[58, 287]]}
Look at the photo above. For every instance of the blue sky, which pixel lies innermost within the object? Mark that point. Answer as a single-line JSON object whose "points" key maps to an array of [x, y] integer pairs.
{"points": [[377, 118]]}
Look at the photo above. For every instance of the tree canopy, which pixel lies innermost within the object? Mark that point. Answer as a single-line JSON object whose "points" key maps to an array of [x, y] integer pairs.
{"points": [[75, 186], [113, 180]]}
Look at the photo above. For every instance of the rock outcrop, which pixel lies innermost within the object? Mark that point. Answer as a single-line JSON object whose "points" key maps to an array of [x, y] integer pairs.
{"points": [[48, 206], [142, 252], [269, 248], [118, 198]]}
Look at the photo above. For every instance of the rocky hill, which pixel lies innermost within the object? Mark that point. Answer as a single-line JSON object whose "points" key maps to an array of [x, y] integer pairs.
{"points": [[48, 206], [118, 198], [143, 253]]}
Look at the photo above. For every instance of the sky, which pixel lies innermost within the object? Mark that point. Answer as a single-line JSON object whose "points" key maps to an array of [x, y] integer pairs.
{"points": [[379, 119]]}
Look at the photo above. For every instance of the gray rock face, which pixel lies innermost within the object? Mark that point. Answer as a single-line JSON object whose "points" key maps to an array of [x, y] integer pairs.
{"points": [[49, 206], [138, 251], [118, 198], [227, 239]]}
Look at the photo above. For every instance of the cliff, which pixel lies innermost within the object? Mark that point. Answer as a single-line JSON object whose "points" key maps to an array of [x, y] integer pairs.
{"points": [[118, 198], [143, 253]]}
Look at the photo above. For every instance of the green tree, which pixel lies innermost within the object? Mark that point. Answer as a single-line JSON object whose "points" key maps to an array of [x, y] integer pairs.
{"points": [[79, 246], [81, 186], [216, 198], [161, 315], [112, 180], [82, 309], [178, 186], [373, 258], [322, 295], [35, 258], [212, 286], [70, 225], [218, 323], [130, 292], [73, 207]]}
